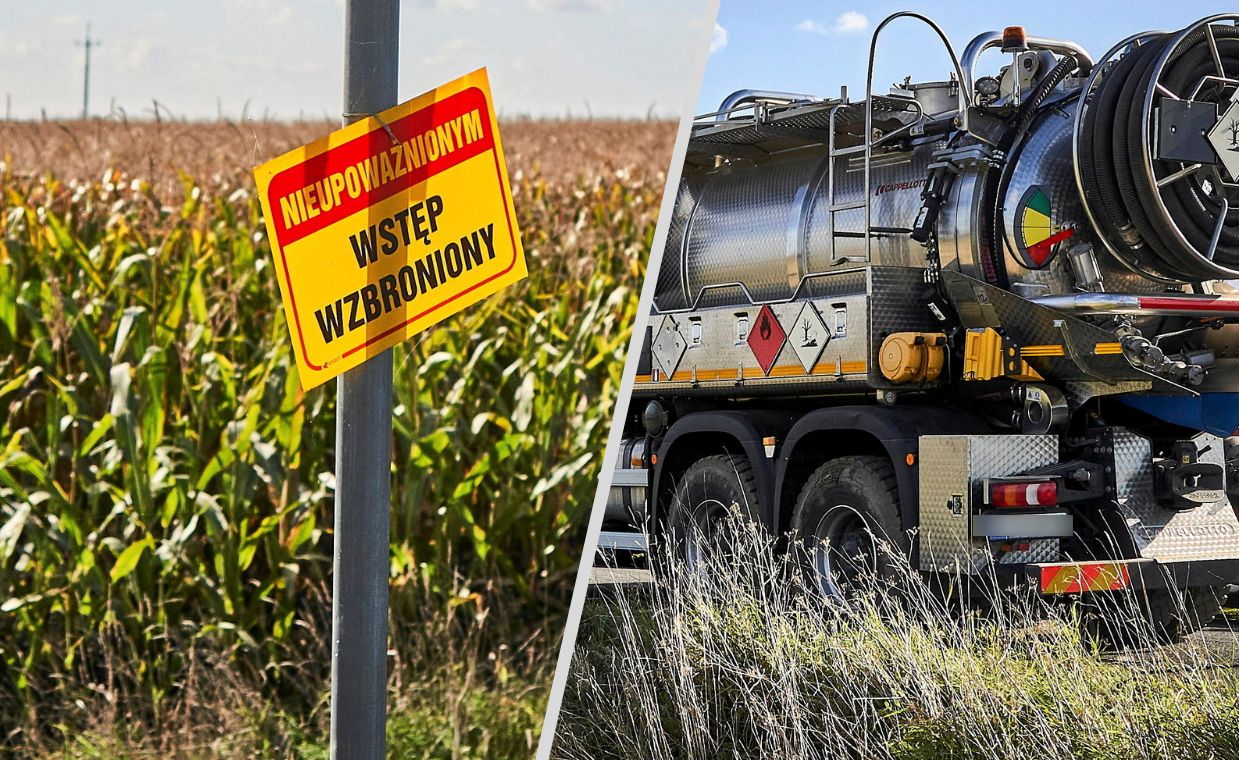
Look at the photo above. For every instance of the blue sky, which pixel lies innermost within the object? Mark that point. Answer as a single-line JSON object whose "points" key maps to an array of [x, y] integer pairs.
{"points": [[814, 47], [283, 57]]}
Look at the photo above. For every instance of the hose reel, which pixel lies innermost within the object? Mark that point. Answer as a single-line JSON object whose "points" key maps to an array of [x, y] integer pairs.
{"points": [[1156, 186]]}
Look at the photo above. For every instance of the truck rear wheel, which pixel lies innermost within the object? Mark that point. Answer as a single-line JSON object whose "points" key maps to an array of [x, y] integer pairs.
{"points": [[847, 514], [1176, 613], [710, 490], [1164, 615]]}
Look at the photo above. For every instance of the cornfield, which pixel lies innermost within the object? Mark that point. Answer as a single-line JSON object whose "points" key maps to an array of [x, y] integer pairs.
{"points": [[166, 486]]}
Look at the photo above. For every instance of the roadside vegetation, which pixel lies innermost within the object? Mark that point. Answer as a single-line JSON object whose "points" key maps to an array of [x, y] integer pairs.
{"points": [[750, 665], [166, 487]]}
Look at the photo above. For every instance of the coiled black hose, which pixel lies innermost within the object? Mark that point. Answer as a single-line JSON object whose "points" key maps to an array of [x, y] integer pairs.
{"points": [[1116, 176]]}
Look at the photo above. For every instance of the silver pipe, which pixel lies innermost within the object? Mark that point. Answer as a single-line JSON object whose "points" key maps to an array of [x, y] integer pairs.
{"points": [[743, 97], [1127, 303], [986, 40]]}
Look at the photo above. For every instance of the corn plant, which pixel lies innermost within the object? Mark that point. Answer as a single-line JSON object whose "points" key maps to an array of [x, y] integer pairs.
{"points": [[166, 486]]}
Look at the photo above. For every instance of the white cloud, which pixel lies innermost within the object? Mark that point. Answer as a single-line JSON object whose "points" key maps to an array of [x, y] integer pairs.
{"points": [[848, 22], [17, 48], [272, 12], [851, 21], [719, 40], [572, 5], [450, 6], [138, 54], [449, 52]]}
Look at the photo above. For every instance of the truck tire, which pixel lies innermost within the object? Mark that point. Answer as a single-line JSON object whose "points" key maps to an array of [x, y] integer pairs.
{"points": [[711, 489], [1168, 615], [1176, 613], [847, 515]]}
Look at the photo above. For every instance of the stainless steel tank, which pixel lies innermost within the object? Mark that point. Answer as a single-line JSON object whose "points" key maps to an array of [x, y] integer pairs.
{"points": [[1123, 176], [765, 226]]}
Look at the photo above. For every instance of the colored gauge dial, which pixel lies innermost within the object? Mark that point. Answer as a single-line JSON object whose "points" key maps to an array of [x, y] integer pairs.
{"points": [[1037, 236]]}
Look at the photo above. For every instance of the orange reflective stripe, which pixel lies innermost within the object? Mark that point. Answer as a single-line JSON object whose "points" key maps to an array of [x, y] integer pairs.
{"points": [[1078, 578]]}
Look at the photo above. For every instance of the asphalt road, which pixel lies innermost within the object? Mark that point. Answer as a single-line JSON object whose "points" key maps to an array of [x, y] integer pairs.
{"points": [[1217, 644], [619, 576]]}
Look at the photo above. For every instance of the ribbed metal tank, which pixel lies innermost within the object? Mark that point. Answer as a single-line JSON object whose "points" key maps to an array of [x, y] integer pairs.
{"points": [[766, 226]]}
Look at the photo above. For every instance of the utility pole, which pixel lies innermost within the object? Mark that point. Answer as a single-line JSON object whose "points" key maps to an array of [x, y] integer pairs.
{"points": [[88, 44], [361, 561]]}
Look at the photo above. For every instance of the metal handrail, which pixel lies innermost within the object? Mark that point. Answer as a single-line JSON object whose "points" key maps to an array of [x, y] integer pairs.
{"points": [[986, 40], [749, 296], [751, 97], [963, 96]]}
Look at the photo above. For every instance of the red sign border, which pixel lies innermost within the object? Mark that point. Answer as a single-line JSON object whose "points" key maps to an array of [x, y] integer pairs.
{"points": [[292, 297]]}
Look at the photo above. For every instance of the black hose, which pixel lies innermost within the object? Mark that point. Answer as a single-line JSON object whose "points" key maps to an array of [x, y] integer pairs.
{"points": [[1169, 243], [1028, 110], [1014, 136], [1097, 162]]}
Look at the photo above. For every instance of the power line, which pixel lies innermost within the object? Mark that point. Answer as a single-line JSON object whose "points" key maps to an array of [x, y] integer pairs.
{"points": [[88, 44]]}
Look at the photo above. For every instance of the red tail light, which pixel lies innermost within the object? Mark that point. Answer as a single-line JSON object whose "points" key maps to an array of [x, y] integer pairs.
{"points": [[1008, 495]]}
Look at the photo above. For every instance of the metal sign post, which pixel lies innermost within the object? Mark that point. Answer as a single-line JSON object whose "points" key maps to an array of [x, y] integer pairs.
{"points": [[363, 450]]}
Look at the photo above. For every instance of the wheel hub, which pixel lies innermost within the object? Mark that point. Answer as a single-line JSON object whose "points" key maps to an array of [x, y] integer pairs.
{"points": [[844, 551]]}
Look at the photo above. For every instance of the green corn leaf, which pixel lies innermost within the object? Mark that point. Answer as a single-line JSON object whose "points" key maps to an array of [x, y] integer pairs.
{"points": [[129, 558]]}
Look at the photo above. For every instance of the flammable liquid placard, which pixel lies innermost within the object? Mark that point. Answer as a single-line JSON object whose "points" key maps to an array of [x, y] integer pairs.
{"points": [[390, 225]]}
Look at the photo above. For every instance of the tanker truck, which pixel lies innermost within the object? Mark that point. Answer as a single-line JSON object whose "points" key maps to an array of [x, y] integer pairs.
{"points": [[986, 320]]}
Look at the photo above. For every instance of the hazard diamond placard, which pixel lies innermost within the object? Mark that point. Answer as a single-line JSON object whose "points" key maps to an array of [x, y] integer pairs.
{"points": [[390, 225], [766, 338]]}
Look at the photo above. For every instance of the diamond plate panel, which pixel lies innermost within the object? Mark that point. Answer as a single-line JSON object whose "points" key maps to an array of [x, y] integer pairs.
{"points": [[1080, 391], [895, 305], [981, 305], [1210, 531], [721, 365], [945, 536], [1039, 550], [949, 465]]}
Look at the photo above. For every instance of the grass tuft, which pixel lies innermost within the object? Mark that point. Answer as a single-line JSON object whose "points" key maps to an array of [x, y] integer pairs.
{"points": [[750, 665]]}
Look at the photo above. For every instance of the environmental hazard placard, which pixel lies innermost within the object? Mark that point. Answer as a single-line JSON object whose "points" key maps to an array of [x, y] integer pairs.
{"points": [[389, 225]]}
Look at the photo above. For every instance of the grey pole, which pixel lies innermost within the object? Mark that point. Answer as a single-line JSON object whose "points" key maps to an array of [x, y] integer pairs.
{"points": [[363, 451], [88, 44]]}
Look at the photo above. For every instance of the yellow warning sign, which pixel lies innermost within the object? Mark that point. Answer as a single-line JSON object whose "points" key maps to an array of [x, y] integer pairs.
{"points": [[390, 225]]}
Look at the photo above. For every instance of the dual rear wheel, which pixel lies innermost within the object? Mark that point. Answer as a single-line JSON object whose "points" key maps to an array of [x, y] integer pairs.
{"points": [[847, 515], [847, 518]]}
